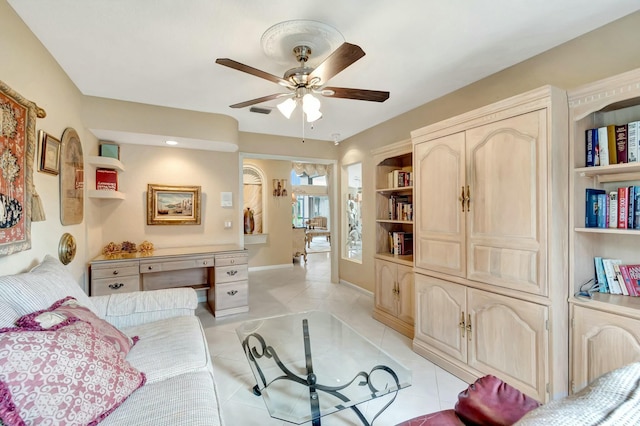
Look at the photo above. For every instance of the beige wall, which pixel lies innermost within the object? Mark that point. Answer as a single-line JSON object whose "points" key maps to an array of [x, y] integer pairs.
{"points": [[604, 52], [277, 219], [27, 68], [215, 172]]}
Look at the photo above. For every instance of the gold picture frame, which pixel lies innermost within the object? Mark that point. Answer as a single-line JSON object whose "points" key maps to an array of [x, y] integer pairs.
{"points": [[173, 205], [48, 153]]}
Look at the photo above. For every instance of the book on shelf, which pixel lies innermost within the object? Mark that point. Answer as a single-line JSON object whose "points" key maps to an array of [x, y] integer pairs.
{"points": [[603, 146], [401, 243], [610, 274], [106, 180], [591, 139], [601, 278], [633, 141], [623, 205], [603, 210], [631, 278], [636, 208], [621, 144], [611, 142], [620, 280], [613, 209], [631, 206], [592, 207], [400, 178], [400, 208]]}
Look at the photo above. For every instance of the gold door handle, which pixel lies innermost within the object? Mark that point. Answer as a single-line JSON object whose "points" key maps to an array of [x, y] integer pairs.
{"points": [[461, 198], [468, 198], [461, 324], [469, 327]]}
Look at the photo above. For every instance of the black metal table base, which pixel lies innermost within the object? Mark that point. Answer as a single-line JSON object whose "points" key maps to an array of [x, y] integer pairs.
{"points": [[261, 350]]}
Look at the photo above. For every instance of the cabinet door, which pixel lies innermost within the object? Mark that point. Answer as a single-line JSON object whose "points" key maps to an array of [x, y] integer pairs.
{"points": [[509, 339], [506, 224], [439, 226], [385, 295], [440, 306], [405, 295], [601, 342]]}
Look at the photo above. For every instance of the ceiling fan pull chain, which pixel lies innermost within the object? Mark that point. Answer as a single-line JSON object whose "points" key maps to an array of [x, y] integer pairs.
{"points": [[302, 121]]}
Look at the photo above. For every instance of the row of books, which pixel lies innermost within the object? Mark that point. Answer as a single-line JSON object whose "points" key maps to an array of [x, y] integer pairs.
{"points": [[401, 243], [400, 178], [106, 180], [400, 207], [619, 208], [613, 144], [617, 278]]}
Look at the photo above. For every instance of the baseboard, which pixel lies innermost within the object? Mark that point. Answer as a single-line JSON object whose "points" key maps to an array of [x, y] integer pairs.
{"points": [[267, 267], [356, 287]]}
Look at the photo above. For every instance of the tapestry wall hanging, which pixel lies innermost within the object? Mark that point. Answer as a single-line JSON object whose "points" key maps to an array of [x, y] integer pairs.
{"points": [[17, 151]]}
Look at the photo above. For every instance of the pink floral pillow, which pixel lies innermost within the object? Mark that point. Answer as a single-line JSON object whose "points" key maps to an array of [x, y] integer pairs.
{"points": [[67, 308], [65, 375]]}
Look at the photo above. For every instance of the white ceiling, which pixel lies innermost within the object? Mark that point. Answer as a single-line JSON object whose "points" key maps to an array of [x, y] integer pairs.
{"points": [[162, 52]]}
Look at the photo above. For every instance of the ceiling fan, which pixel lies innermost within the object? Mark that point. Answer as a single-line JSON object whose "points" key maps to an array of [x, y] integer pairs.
{"points": [[304, 80]]}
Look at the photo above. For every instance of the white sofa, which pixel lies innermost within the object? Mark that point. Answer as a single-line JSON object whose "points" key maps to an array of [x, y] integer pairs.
{"points": [[171, 351]]}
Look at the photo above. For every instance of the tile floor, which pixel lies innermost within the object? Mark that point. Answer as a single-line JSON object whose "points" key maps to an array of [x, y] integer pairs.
{"points": [[308, 287]]}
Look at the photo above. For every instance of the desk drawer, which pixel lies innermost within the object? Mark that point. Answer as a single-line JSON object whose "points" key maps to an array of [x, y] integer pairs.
{"points": [[113, 271], [225, 274], [176, 265], [231, 295], [232, 259], [113, 285]]}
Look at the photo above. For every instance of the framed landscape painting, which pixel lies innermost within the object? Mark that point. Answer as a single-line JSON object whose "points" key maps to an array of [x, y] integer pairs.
{"points": [[173, 205]]}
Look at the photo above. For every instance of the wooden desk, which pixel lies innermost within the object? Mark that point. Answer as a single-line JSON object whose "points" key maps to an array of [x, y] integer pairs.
{"points": [[221, 270], [310, 233]]}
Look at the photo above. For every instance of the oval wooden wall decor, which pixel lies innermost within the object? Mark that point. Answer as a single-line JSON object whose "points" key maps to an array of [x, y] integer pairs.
{"points": [[71, 179]]}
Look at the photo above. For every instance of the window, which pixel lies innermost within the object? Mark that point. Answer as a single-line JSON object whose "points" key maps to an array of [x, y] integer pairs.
{"points": [[352, 229]]}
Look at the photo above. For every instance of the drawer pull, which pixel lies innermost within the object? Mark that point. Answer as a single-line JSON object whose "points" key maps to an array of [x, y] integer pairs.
{"points": [[232, 292], [232, 273], [150, 268], [204, 262], [233, 261], [116, 286], [116, 272]]}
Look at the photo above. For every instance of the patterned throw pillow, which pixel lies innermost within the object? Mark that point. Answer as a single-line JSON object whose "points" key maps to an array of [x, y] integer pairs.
{"points": [[66, 375], [69, 307]]}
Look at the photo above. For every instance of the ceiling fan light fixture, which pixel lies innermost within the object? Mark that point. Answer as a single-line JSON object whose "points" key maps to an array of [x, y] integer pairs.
{"points": [[313, 116], [310, 103], [286, 107]]}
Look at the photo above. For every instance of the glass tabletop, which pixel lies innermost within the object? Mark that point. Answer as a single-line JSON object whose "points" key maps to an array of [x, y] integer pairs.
{"points": [[311, 364]]}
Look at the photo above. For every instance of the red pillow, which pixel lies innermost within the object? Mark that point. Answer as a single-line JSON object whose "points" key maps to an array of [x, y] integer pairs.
{"points": [[490, 401], [67, 308], [65, 375]]}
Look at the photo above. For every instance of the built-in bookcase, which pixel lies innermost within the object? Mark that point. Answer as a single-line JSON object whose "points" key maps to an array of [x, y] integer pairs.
{"points": [[394, 290], [615, 100]]}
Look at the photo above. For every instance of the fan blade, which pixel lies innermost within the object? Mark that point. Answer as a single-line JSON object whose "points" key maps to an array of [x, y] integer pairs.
{"points": [[340, 59], [359, 94], [260, 100], [253, 71]]}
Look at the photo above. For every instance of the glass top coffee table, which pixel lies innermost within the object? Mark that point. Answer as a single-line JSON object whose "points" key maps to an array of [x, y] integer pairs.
{"points": [[311, 364]]}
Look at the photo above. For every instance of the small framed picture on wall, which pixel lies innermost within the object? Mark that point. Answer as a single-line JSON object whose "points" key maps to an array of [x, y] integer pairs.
{"points": [[48, 153]]}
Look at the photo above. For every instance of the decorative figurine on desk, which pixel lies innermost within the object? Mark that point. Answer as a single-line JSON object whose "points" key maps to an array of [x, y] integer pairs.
{"points": [[249, 222]]}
